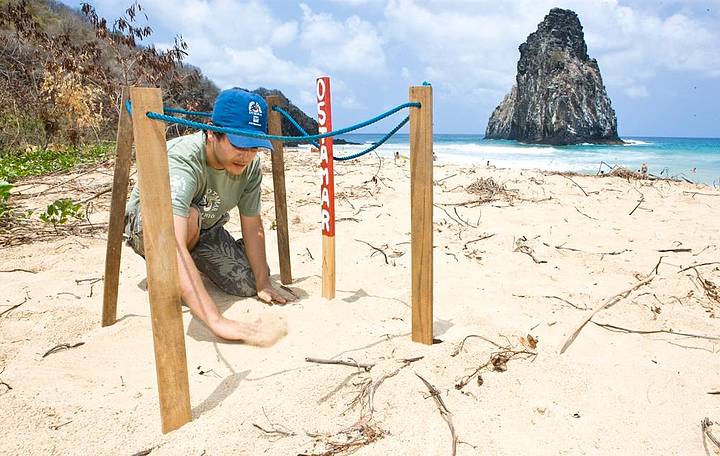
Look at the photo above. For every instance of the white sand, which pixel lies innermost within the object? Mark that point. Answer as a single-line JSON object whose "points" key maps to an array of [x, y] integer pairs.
{"points": [[610, 393]]}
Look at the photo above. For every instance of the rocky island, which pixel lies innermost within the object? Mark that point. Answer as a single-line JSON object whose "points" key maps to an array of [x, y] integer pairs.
{"points": [[559, 97]]}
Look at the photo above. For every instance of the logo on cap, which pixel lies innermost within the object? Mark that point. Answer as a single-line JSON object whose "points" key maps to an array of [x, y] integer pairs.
{"points": [[255, 111]]}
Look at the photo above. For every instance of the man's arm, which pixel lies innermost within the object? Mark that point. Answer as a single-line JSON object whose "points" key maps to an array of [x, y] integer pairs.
{"points": [[263, 332], [254, 239]]}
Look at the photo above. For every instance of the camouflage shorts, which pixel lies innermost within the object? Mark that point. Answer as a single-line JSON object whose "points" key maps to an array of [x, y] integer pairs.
{"points": [[217, 255]]}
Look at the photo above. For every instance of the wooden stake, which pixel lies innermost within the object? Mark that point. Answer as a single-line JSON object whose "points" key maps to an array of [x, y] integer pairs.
{"points": [[278, 170], [327, 187], [421, 211], [328, 267], [161, 259], [116, 225]]}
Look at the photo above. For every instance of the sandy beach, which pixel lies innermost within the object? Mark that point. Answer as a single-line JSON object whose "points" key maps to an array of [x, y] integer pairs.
{"points": [[520, 257]]}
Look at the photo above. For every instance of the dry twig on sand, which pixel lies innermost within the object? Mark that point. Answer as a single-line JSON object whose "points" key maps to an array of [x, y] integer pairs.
{"points": [[576, 184], [3, 383], [498, 360], [274, 430], [624, 173], [521, 247], [13, 307], [376, 249], [19, 270], [705, 426], [712, 291], [610, 327], [60, 347], [444, 411], [364, 431], [488, 190], [612, 300], [365, 367]]}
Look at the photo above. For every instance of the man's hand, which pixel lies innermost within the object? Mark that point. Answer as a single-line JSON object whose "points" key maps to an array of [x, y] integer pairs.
{"points": [[269, 294], [260, 330]]}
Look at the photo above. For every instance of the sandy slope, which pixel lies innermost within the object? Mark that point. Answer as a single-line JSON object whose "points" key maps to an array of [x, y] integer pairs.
{"points": [[610, 393]]}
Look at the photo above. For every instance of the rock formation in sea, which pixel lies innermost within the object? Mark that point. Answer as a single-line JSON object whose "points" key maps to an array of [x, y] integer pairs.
{"points": [[559, 97]]}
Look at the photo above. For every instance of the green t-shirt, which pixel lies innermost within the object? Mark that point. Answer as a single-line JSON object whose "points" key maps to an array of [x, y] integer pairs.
{"points": [[214, 191]]}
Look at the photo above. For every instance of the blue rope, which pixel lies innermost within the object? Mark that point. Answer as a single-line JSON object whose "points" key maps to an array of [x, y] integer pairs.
{"points": [[347, 157], [186, 112], [295, 124], [201, 126], [376, 145], [309, 138]]}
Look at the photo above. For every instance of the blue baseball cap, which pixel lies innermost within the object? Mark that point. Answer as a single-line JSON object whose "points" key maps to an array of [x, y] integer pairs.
{"points": [[243, 110]]}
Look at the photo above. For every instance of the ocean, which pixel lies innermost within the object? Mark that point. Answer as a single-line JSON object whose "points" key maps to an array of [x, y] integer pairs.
{"points": [[695, 159]]}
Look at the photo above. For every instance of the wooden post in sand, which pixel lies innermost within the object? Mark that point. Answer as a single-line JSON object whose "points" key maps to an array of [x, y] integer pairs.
{"points": [[278, 170], [161, 259], [123, 150], [421, 213], [327, 188]]}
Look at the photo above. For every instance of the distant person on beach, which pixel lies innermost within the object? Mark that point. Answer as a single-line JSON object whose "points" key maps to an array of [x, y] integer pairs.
{"points": [[434, 156], [397, 156], [644, 169], [211, 173]]}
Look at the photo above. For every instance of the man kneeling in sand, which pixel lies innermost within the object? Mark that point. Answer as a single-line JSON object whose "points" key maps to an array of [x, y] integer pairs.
{"points": [[210, 173]]}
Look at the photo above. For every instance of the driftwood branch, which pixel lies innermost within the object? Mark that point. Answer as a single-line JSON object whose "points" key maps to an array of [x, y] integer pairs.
{"points": [[339, 362], [19, 270], [365, 366], [60, 347], [482, 238], [462, 343], [705, 426], [521, 247], [13, 307], [610, 327], [610, 301], [578, 185], [375, 248], [274, 428], [697, 266], [444, 411]]}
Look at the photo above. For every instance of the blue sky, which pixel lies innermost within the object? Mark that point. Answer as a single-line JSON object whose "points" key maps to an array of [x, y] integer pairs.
{"points": [[660, 59]]}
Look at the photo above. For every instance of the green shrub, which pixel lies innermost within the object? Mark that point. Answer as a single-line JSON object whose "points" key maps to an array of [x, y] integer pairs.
{"points": [[18, 164], [59, 211], [4, 196]]}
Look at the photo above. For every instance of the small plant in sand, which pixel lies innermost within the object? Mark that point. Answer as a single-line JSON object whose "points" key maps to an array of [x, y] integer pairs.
{"points": [[4, 196], [60, 210]]}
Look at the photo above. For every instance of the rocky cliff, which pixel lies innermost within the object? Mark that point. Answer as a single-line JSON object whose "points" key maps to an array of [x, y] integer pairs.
{"points": [[559, 97]]}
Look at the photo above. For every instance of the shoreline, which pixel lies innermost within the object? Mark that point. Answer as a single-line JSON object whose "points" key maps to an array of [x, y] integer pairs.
{"points": [[387, 152]]}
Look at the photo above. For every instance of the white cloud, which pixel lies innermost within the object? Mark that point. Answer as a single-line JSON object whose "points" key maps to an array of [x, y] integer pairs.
{"points": [[471, 47], [637, 91], [468, 50], [260, 66], [352, 45]]}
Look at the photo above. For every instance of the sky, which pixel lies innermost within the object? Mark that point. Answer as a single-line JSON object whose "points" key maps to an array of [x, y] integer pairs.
{"points": [[659, 59]]}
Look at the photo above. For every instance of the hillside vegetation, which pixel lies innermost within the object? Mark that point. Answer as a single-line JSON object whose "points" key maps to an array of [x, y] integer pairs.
{"points": [[62, 72]]}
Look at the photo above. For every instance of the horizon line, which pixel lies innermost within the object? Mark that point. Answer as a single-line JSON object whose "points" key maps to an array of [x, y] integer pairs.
{"points": [[481, 134]]}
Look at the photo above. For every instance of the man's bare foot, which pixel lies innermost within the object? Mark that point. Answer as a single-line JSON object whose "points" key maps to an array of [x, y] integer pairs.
{"points": [[260, 330]]}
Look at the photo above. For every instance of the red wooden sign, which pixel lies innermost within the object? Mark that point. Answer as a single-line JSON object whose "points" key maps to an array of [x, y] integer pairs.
{"points": [[327, 187]]}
